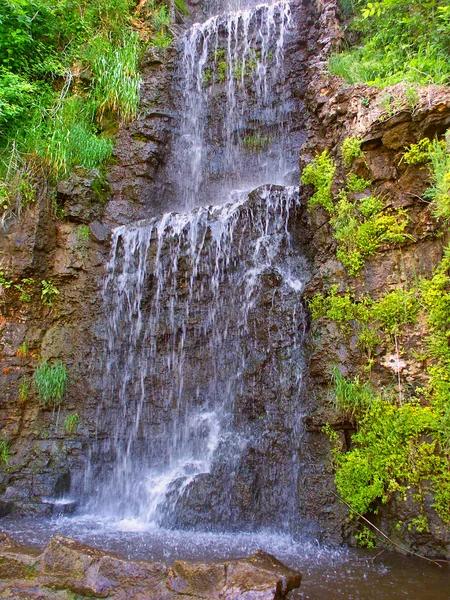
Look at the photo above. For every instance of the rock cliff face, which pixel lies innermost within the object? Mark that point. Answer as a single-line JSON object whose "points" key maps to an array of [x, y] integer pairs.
{"points": [[337, 112], [46, 461]]}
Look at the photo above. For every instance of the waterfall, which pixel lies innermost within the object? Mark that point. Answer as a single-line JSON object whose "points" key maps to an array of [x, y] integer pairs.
{"points": [[233, 60], [199, 421]]}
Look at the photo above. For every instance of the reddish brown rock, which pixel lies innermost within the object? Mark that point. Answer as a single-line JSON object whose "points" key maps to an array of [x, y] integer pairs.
{"points": [[66, 567]]}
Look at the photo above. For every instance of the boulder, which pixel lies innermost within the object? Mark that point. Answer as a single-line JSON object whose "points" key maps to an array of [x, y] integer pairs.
{"points": [[68, 567]]}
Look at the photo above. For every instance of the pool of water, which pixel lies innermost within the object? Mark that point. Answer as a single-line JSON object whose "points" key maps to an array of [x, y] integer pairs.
{"points": [[328, 573]]}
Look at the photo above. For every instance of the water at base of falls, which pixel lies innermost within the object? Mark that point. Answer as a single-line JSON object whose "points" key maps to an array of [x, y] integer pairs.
{"points": [[328, 573]]}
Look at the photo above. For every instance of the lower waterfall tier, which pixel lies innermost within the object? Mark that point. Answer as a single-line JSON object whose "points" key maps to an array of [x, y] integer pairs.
{"points": [[199, 423]]}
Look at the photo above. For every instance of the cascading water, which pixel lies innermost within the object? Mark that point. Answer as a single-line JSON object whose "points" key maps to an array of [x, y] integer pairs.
{"points": [[232, 115], [199, 423]]}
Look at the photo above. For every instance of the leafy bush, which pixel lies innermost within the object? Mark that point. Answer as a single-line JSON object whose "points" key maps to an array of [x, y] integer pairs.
{"points": [[50, 382], [440, 173], [320, 173], [351, 149]]}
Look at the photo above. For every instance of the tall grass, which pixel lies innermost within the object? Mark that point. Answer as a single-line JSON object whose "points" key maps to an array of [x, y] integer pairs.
{"points": [[50, 382], [405, 40], [352, 396], [116, 76], [69, 138]]}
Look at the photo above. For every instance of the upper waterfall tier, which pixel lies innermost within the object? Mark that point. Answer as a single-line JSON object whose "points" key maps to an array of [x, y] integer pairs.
{"points": [[235, 115]]}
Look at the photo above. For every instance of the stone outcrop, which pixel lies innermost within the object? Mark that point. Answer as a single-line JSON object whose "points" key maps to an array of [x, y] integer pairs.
{"points": [[66, 567]]}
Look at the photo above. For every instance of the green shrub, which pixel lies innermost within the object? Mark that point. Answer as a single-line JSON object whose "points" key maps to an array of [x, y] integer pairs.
{"points": [[395, 309], [50, 382], [320, 173], [357, 184], [440, 173], [418, 153], [351, 149]]}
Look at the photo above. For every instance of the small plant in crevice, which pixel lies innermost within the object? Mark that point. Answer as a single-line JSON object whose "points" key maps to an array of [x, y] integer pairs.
{"points": [[23, 350], [24, 390], [25, 289], [256, 142], [50, 381], [5, 283], [49, 293], [4, 453], [83, 233], [366, 538], [71, 423]]}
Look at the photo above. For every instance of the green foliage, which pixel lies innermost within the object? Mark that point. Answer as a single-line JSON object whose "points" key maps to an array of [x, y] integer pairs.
{"points": [[320, 173], [161, 39], [395, 310], [116, 77], [362, 228], [390, 451], [351, 149], [49, 293], [357, 184], [50, 382], [71, 423], [256, 142], [399, 41], [353, 397], [23, 349], [366, 538], [4, 452], [440, 174], [25, 288], [5, 283], [48, 113], [418, 153], [402, 442], [24, 390], [83, 233]]}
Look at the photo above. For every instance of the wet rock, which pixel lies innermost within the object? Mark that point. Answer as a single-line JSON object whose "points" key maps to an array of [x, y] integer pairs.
{"points": [[69, 566], [81, 195], [99, 232]]}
